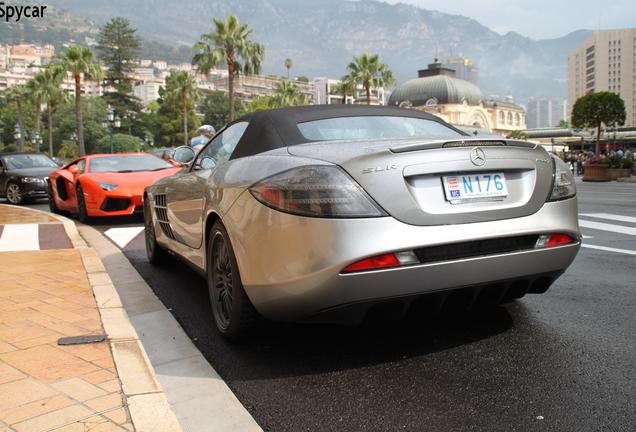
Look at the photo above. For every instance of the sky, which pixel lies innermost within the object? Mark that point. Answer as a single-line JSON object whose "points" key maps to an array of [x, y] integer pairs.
{"points": [[538, 19]]}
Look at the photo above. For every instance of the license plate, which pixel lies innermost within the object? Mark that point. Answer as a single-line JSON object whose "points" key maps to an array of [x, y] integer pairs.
{"points": [[475, 187]]}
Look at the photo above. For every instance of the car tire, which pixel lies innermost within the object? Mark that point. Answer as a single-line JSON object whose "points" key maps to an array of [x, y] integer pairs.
{"points": [[82, 214], [234, 314], [52, 206], [156, 254], [14, 193]]}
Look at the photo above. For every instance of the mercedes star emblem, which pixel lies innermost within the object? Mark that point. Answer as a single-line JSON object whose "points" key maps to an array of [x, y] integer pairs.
{"points": [[477, 156]]}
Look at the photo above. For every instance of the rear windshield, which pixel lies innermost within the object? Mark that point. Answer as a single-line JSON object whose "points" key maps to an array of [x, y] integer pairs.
{"points": [[28, 161], [127, 163], [373, 127]]}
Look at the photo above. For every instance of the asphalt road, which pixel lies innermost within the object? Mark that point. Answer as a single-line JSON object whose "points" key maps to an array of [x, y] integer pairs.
{"points": [[561, 361]]}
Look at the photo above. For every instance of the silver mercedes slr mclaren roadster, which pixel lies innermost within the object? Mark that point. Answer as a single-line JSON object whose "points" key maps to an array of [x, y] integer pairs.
{"points": [[324, 213]]}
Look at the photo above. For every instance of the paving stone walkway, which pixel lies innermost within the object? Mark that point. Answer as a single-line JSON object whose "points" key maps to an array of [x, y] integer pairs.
{"points": [[45, 295]]}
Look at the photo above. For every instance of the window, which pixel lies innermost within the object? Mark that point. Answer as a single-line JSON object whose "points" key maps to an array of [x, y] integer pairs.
{"points": [[221, 147], [501, 117], [509, 118], [127, 163], [21, 161], [81, 165], [517, 119], [373, 127]]}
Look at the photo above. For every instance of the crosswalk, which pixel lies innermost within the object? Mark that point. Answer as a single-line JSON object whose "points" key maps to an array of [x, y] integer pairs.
{"points": [[32, 237], [607, 222]]}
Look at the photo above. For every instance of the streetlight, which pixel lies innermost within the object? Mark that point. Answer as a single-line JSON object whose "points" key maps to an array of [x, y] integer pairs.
{"points": [[17, 134], [37, 141], [111, 120]]}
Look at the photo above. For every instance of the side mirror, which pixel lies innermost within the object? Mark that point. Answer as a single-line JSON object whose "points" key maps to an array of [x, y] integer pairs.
{"points": [[73, 169], [184, 155]]}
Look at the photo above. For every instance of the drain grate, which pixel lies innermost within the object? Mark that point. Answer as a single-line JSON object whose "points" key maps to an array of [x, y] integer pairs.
{"points": [[81, 340]]}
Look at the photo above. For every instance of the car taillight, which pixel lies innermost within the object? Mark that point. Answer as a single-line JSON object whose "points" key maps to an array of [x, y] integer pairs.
{"points": [[373, 263], [563, 184], [316, 191], [555, 239]]}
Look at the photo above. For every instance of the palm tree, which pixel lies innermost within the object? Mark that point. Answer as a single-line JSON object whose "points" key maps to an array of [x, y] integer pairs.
{"points": [[34, 94], [229, 41], [46, 85], [370, 73], [287, 94], [79, 61], [17, 94], [347, 87], [182, 87], [288, 65]]}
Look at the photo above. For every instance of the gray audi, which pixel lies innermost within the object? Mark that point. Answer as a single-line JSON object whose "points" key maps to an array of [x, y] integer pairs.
{"points": [[325, 213]]}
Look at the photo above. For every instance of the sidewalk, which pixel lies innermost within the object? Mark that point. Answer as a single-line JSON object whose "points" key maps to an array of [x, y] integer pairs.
{"points": [[53, 286]]}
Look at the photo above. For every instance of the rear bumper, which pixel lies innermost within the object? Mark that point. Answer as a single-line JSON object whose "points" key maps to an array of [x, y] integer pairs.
{"points": [[291, 266]]}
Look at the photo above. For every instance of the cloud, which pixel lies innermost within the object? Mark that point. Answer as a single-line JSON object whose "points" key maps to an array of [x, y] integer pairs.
{"points": [[538, 19]]}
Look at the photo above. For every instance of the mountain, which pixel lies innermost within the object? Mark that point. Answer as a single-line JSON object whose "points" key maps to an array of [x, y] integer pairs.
{"points": [[321, 36]]}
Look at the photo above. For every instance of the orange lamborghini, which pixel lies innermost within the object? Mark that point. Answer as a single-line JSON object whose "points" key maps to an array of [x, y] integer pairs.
{"points": [[105, 184]]}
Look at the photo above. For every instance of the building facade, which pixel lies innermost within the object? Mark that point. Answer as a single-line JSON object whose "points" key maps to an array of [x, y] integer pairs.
{"points": [[546, 112], [606, 61], [438, 91]]}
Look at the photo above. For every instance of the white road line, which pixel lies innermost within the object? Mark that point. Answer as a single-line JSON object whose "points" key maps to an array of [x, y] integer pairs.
{"points": [[20, 237], [607, 227], [610, 216], [609, 249], [123, 236]]}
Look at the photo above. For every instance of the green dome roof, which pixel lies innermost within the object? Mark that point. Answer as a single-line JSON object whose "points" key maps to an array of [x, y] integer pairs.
{"points": [[440, 89]]}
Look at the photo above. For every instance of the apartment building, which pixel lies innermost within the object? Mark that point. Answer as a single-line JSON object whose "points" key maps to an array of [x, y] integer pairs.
{"points": [[606, 61]]}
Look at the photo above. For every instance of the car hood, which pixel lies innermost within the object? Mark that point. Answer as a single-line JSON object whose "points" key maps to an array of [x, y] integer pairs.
{"points": [[134, 181], [33, 172]]}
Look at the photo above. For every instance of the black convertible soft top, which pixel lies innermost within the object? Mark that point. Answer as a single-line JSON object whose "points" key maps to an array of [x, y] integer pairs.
{"points": [[276, 128]]}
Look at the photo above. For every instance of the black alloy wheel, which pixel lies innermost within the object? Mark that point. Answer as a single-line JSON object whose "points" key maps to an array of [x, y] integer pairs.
{"points": [[52, 205], [233, 312], [156, 254], [82, 214]]}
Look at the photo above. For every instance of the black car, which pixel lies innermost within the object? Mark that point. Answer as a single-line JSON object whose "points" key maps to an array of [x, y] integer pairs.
{"points": [[24, 176]]}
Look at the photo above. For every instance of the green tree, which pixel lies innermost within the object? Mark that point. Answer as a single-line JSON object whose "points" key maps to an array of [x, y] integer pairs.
{"points": [[119, 48], [79, 61], [46, 87], [564, 124], [182, 87], [288, 65], [260, 103], [121, 143], [93, 112], [287, 94], [216, 111], [346, 87], [18, 94], [229, 42], [163, 119], [518, 134], [367, 71], [596, 109]]}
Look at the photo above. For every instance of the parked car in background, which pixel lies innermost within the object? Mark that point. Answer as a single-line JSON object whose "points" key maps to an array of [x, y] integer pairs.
{"points": [[23, 176], [323, 213], [105, 184]]}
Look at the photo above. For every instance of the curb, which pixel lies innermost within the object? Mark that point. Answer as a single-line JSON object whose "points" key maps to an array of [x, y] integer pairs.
{"points": [[146, 402], [198, 396]]}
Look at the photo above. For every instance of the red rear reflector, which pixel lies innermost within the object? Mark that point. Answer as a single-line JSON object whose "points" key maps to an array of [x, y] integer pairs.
{"points": [[558, 239], [376, 262]]}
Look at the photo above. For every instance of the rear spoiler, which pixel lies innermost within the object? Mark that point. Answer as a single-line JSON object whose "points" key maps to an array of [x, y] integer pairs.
{"points": [[468, 142]]}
